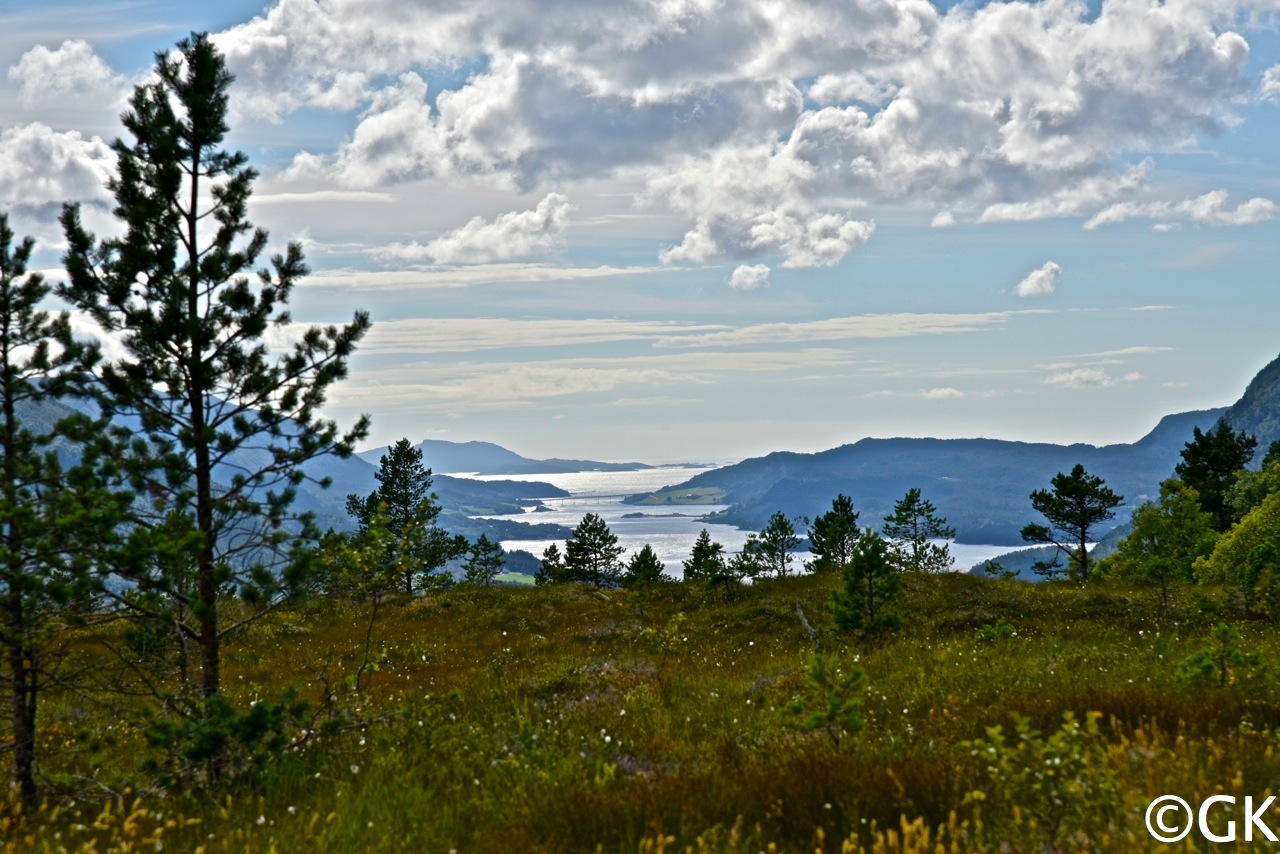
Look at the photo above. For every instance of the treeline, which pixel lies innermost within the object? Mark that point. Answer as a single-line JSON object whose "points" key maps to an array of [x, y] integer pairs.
{"points": [[592, 555]]}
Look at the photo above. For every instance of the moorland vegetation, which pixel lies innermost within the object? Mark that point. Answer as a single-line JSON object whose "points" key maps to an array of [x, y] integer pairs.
{"points": [[193, 665]]}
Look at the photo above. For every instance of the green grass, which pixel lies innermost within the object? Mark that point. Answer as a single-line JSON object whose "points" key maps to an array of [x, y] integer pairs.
{"points": [[692, 495], [565, 719]]}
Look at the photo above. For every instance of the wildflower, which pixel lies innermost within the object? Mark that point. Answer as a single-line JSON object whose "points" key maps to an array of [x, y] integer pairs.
{"points": [[355, 769]]}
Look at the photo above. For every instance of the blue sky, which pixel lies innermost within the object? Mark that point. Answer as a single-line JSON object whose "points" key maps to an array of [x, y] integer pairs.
{"points": [[694, 230]]}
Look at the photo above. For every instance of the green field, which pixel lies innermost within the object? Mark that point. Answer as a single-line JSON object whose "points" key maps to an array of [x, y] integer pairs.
{"points": [[689, 495], [566, 719]]}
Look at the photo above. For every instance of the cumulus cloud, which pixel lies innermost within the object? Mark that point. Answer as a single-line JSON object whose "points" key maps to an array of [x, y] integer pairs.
{"points": [[1040, 282], [518, 234], [1270, 89], [1019, 111], [941, 393], [1080, 378], [1209, 209], [41, 168], [943, 219], [748, 277], [71, 72]]}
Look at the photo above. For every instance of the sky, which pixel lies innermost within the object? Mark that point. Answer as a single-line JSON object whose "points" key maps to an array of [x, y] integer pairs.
{"points": [[675, 230]]}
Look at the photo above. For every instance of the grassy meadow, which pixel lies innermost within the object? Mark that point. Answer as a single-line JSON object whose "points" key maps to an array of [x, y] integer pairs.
{"points": [[677, 719]]}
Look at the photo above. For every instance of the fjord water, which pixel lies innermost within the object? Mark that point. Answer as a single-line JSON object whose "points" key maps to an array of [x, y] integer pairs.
{"points": [[670, 530]]}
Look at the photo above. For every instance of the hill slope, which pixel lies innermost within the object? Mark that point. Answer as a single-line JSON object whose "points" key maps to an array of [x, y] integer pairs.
{"points": [[979, 485], [1257, 412]]}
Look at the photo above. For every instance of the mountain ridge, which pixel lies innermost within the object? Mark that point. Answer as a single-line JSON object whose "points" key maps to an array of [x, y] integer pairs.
{"points": [[980, 485]]}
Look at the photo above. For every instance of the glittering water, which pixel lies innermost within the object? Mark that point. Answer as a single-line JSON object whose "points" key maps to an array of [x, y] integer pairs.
{"points": [[670, 531]]}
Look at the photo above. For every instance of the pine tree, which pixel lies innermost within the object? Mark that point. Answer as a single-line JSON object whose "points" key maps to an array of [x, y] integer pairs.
{"points": [[706, 560], [871, 584], [550, 567], [643, 570], [50, 520], [833, 535], [771, 549], [404, 496], [1210, 462], [910, 527], [591, 553], [1078, 502], [224, 426], [483, 562]]}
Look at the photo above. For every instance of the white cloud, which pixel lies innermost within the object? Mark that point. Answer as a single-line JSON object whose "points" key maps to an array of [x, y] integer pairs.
{"points": [[73, 72], [1270, 89], [941, 393], [518, 234], [841, 328], [748, 277], [1080, 378], [943, 219], [466, 276], [1131, 377], [421, 336], [344, 196], [1127, 351], [42, 168], [1040, 282], [510, 385], [1209, 209], [1021, 111]]}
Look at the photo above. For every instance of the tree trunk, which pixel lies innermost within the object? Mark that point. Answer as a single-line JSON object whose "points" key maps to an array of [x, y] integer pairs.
{"points": [[20, 672], [206, 569], [24, 702]]}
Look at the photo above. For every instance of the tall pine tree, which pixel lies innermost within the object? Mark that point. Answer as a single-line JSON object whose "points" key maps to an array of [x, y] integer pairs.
{"points": [[224, 425]]}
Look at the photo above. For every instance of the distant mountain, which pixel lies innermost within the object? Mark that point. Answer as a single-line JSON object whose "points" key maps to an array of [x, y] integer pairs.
{"points": [[459, 497], [980, 485], [487, 458]]}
